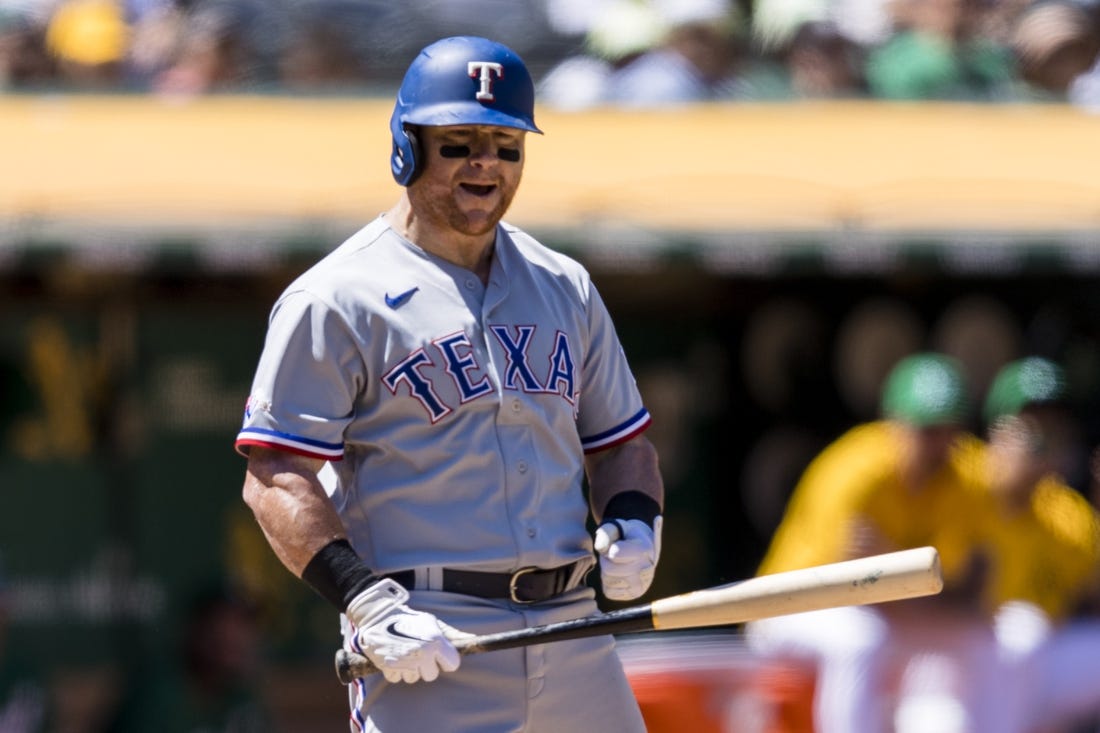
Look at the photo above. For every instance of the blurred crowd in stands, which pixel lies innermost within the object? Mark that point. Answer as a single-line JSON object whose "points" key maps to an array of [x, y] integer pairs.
{"points": [[584, 52]]}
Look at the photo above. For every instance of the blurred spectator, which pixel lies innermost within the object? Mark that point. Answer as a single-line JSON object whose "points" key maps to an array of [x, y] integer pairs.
{"points": [[995, 19], [319, 57], [215, 54], [621, 32], [575, 17], [817, 63], [939, 53], [214, 685], [694, 62], [822, 63], [24, 62], [1084, 91], [89, 39], [1044, 538], [864, 23], [1055, 42], [883, 486], [24, 697], [156, 41], [773, 23]]}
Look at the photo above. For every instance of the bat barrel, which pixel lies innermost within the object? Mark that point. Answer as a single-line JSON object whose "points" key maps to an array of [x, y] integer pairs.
{"points": [[876, 579]]}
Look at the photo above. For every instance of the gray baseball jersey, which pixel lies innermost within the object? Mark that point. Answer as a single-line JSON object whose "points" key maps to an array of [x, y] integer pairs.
{"points": [[454, 415]]}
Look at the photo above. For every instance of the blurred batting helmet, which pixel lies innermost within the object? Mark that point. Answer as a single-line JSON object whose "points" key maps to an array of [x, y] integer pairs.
{"points": [[1029, 381], [925, 390], [465, 80]]}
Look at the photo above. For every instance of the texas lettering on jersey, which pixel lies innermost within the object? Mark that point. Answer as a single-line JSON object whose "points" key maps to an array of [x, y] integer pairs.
{"points": [[454, 356]]}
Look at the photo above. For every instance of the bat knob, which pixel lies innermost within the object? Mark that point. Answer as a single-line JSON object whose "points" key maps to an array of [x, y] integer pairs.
{"points": [[343, 667]]}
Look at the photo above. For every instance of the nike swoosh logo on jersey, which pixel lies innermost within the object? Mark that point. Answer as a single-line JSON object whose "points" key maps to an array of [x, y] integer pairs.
{"points": [[392, 631], [396, 301]]}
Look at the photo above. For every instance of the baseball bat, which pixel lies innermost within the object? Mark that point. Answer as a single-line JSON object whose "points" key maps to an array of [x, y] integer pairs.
{"points": [[876, 579]]}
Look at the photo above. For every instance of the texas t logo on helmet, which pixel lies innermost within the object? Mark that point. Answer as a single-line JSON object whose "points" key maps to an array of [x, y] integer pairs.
{"points": [[464, 80], [483, 72]]}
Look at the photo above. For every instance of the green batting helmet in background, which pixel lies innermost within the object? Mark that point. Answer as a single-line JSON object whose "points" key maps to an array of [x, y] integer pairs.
{"points": [[1030, 381], [925, 390]]}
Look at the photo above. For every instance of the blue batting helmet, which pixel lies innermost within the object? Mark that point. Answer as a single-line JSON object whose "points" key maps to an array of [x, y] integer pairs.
{"points": [[465, 80]]}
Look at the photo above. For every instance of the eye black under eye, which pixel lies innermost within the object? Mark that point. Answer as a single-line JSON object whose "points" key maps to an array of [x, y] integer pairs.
{"points": [[454, 151], [463, 151]]}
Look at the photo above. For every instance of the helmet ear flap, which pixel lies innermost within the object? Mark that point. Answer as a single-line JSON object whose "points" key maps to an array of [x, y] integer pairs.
{"points": [[405, 162]]}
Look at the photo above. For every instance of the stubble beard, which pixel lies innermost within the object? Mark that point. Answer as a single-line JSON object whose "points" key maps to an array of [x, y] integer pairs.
{"points": [[442, 208]]}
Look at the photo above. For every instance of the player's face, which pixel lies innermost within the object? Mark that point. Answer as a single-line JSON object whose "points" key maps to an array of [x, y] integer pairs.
{"points": [[932, 444], [471, 173], [1032, 444]]}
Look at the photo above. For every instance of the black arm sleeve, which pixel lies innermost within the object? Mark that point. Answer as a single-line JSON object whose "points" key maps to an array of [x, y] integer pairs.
{"points": [[632, 505], [337, 573]]}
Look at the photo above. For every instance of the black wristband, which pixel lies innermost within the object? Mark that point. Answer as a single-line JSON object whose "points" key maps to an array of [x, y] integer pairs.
{"points": [[632, 505], [337, 573]]}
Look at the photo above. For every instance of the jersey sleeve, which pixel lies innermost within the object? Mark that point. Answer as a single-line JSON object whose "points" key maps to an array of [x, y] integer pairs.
{"points": [[610, 409], [304, 389]]}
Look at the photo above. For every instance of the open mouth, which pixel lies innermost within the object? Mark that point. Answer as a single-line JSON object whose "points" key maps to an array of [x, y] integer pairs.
{"points": [[477, 189]]}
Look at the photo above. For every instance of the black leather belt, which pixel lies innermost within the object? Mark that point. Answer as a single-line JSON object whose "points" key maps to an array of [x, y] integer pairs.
{"points": [[526, 585]]}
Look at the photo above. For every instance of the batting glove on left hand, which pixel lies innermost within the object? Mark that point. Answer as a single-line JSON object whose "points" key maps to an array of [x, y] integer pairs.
{"points": [[628, 550]]}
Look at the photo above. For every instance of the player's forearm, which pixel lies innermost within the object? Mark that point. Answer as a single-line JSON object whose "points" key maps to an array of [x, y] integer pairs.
{"points": [[290, 506], [631, 466]]}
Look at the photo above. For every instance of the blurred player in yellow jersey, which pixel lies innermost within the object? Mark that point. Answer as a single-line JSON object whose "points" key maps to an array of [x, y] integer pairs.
{"points": [[888, 485], [885, 485], [1044, 548]]}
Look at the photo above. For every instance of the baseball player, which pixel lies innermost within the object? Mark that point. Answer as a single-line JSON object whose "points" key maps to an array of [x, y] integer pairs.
{"points": [[1044, 540], [430, 399], [888, 485]]}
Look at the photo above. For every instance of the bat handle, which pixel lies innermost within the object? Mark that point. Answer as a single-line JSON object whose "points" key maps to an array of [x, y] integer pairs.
{"points": [[350, 666]]}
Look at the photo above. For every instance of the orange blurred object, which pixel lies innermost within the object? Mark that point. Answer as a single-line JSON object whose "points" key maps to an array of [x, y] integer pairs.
{"points": [[712, 684], [787, 692]]}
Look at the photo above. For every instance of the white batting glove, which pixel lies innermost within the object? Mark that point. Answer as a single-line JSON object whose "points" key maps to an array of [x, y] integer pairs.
{"points": [[628, 550], [404, 644]]}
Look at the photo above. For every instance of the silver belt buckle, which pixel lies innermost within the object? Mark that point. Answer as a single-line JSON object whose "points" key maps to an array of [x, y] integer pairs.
{"points": [[512, 585]]}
